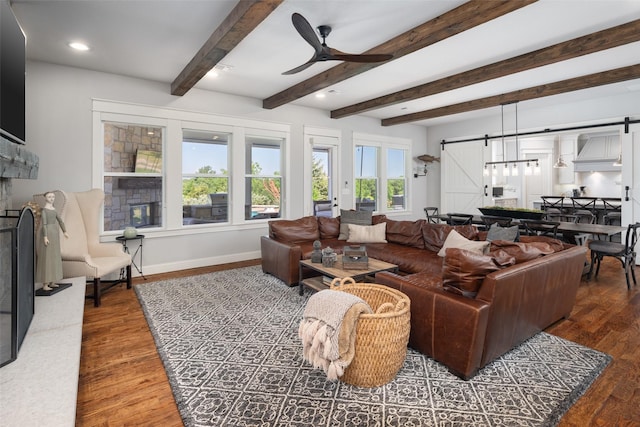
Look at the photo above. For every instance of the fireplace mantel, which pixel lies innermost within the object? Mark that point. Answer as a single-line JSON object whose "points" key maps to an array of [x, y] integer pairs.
{"points": [[16, 161]]}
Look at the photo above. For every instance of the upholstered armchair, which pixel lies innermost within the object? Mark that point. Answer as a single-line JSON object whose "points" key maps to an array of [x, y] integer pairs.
{"points": [[82, 253]]}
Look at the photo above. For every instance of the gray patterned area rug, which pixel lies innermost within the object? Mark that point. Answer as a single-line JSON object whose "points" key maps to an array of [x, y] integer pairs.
{"points": [[229, 343]]}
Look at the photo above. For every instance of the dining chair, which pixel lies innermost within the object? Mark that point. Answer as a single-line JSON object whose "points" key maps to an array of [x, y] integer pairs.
{"points": [[489, 220], [624, 253], [432, 214], [584, 217], [459, 219], [540, 227]]}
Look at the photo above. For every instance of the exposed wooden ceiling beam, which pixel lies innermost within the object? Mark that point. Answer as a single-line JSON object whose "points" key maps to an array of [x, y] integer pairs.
{"points": [[577, 83], [595, 42], [243, 19], [462, 18]]}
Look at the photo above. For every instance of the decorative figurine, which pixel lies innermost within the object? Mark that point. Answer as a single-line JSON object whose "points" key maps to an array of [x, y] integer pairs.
{"points": [[329, 257], [49, 259], [316, 255]]}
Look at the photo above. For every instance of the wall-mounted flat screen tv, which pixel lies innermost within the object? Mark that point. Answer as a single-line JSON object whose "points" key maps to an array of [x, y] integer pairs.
{"points": [[12, 76], [498, 191]]}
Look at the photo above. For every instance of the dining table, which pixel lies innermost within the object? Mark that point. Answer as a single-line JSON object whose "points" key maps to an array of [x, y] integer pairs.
{"points": [[600, 230]]}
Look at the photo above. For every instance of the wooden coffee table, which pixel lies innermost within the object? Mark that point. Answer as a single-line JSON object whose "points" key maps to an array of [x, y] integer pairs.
{"points": [[317, 283]]}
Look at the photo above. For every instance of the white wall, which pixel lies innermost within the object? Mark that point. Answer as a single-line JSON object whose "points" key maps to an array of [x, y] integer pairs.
{"points": [[59, 131]]}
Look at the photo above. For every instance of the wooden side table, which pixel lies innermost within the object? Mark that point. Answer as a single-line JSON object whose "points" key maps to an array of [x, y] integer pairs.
{"points": [[137, 253]]}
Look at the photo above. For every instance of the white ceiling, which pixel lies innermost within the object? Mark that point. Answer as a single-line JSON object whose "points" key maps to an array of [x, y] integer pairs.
{"points": [[156, 39]]}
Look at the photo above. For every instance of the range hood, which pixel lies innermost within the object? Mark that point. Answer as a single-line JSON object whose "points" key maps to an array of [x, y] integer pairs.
{"points": [[597, 152]]}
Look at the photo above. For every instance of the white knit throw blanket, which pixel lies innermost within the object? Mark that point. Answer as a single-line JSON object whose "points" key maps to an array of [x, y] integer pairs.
{"points": [[328, 316]]}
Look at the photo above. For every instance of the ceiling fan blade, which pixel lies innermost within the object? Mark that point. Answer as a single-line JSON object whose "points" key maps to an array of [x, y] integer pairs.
{"points": [[306, 31], [301, 67], [341, 56]]}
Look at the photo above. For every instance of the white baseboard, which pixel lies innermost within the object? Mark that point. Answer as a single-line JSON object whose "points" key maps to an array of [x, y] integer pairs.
{"points": [[196, 263]]}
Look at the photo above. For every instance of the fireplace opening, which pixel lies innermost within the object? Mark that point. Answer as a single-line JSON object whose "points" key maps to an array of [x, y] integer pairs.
{"points": [[142, 214]]}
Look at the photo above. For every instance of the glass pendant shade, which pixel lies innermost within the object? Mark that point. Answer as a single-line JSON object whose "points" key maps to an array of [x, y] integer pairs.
{"points": [[514, 170]]}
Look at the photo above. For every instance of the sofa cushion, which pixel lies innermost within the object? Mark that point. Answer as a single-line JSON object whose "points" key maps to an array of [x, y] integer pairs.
{"points": [[329, 227], [496, 232], [556, 245], [521, 251], [367, 233], [456, 240], [405, 233], [352, 217], [434, 235], [463, 271], [295, 231]]}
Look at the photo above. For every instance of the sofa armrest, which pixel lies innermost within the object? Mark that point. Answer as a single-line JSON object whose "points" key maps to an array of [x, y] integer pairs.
{"points": [[280, 259], [447, 327]]}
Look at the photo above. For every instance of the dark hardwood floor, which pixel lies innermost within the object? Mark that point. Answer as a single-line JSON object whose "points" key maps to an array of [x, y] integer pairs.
{"points": [[123, 383]]}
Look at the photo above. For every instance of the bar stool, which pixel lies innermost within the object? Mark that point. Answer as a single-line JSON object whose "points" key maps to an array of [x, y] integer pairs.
{"points": [[553, 207], [583, 205], [612, 211]]}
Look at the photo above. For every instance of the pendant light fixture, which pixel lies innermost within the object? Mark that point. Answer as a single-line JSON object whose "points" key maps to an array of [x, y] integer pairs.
{"points": [[560, 163], [514, 171], [618, 161]]}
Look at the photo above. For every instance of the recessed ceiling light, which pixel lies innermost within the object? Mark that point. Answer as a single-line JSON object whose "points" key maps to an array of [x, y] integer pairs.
{"points": [[78, 46], [320, 95], [213, 73]]}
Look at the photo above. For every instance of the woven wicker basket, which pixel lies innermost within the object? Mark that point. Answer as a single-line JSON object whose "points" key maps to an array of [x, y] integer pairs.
{"points": [[381, 337]]}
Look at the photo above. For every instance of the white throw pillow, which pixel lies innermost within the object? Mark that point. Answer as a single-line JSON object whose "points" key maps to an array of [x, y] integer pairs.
{"points": [[367, 233], [456, 240]]}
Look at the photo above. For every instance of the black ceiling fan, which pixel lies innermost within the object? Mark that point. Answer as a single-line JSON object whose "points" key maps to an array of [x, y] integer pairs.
{"points": [[324, 52]]}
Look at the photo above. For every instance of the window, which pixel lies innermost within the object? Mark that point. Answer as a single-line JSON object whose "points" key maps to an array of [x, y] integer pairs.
{"points": [[132, 178], [171, 170], [381, 168], [396, 179], [366, 172], [205, 177], [263, 179]]}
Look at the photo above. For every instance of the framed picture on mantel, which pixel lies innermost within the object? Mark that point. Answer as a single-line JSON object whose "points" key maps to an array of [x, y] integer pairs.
{"points": [[148, 161]]}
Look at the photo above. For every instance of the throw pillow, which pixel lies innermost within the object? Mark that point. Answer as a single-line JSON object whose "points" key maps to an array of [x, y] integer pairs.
{"points": [[496, 232], [464, 271], [456, 240], [367, 233], [352, 217]]}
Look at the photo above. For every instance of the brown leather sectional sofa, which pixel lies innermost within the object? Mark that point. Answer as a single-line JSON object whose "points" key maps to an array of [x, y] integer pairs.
{"points": [[463, 330]]}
